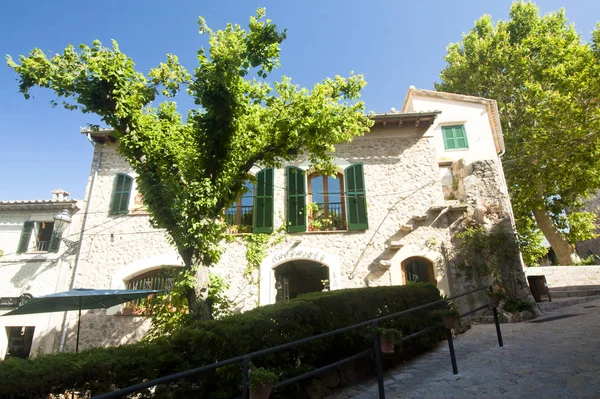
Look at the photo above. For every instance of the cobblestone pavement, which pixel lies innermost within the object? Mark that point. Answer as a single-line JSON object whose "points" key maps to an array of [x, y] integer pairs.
{"points": [[558, 358]]}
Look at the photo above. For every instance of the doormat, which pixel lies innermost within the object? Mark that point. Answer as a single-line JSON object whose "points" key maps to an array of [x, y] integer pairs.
{"points": [[563, 316]]}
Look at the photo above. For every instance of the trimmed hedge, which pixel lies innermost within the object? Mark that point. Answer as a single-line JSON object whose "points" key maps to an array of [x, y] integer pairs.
{"points": [[103, 369]]}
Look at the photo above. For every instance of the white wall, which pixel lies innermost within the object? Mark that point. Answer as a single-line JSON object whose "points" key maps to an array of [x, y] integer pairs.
{"points": [[473, 116], [33, 273]]}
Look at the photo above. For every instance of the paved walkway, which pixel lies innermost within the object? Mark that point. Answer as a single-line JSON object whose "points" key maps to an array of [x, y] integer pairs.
{"points": [[557, 358]]}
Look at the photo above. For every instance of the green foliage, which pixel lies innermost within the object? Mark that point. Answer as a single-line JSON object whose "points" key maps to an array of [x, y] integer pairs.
{"points": [[256, 250], [105, 369], [486, 251], [546, 80], [258, 376], [221, 305], [514, 306], [582, 226], [389, 332], [589, 261], [190, 171], [530, 240], [169, 310]]}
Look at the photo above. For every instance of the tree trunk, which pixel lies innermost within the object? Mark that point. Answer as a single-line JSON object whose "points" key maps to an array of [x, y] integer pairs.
{"points": [[564, 251], [197, 296]]}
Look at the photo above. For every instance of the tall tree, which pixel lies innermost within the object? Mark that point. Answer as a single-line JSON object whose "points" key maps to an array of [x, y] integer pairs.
{"points": [[190, 171], [546, 81]]}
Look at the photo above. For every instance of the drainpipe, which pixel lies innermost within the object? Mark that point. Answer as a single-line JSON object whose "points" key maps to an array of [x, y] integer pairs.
{"points": [[63, 337]]}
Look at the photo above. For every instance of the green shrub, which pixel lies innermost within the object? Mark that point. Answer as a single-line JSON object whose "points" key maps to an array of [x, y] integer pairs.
{"points": [[514, 306], [99, 370]]}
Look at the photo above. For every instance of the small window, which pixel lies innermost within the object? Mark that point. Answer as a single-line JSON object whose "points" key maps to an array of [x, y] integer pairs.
{"points": [[38, 237], [121, 193], [239, 216], [19, 341], [455, 137], [326, 203]]}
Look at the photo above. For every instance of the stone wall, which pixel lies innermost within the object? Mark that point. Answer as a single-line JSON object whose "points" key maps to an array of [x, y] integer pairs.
{"points": [[563, 276], [407, 215]]}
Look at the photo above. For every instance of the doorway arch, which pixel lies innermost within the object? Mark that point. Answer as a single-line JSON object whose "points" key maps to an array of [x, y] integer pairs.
{"points": [[418, 269], [298, 277], [300, 257]]}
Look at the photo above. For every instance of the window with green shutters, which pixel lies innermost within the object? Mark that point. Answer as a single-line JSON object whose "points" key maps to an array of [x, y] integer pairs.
{"points": [[121, 193], [263, 202], [25, 236], [296, 199], [356, 197], [455, 137]]}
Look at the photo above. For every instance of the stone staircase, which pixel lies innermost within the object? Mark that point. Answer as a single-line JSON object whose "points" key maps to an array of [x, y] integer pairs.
{"points": [[569, 296]]}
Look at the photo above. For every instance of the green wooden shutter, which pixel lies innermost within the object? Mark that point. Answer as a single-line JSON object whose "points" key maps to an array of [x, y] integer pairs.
{"points": [[296, 200], [263, 202], [455, 137], [121, 192], [460, 135], [25, 236], [54, 242], [356, 197], [449, 142]]}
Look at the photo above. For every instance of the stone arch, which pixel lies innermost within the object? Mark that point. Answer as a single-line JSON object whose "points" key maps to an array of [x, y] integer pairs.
{"points": [[120, 277], [426, 253], [271, 262]]}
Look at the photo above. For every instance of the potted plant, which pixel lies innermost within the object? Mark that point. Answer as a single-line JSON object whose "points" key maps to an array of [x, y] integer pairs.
{"points": [[388, 338], [495, 297], [261, 381], [450, 316]]}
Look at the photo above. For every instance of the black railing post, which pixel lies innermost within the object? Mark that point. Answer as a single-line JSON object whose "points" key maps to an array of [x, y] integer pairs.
{"points": [[378, 363], [497, 321], [452, 354], [245, 368]]}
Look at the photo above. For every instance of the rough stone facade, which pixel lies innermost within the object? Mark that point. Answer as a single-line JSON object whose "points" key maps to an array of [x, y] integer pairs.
{"points": [[408, 218]]}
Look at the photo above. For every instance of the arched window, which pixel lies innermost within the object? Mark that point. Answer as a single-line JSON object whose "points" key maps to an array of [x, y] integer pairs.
{"points": [[326, 203], [417, 269], [162, 278]]}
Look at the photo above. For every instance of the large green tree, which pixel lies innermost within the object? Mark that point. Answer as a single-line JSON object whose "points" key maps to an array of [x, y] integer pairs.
{"points": [[546, 81], [190, 170]]}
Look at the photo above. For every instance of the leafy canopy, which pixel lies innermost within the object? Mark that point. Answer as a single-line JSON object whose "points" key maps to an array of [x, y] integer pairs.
{"points": [[546, 81], [190, 170]]}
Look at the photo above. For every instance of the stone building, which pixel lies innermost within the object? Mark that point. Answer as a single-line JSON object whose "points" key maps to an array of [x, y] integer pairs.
{"points": [[385, 218], [36, 259]]}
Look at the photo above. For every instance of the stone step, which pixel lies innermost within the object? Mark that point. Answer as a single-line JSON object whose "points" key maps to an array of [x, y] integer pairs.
{"points": [[559, 303], [406, 228], [574, 293], [575, 288], [396, 245]]}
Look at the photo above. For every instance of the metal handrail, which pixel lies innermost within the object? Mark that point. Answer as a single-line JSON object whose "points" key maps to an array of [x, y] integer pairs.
{"points": [[245, 359]]}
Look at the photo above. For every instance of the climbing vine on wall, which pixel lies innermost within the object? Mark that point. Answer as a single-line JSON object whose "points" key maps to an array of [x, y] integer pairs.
{"points": [[485, 252]]}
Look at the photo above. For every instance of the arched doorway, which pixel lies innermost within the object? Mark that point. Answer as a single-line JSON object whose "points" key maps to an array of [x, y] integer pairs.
{"points": [[417, 269], [300, 276]]}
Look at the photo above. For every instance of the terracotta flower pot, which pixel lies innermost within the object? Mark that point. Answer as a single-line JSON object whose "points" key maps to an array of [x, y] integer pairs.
{"points": [[450, 322], [386, 344], [261, 391], [494, 301]]}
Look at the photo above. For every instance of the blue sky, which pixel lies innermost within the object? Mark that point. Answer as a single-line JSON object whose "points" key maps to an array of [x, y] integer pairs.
{"points": [[395, 44]]}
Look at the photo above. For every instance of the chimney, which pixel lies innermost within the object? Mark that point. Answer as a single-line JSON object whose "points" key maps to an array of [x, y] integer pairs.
{"points": [[59, 195]]}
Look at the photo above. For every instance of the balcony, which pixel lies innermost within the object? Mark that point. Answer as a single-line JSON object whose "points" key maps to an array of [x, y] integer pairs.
{"points": [[239, 219], [329, 216]]}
